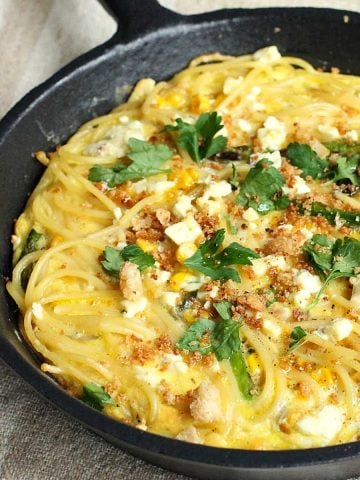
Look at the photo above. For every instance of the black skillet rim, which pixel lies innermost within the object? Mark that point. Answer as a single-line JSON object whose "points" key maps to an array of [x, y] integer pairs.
{"points": [[125, 435]]}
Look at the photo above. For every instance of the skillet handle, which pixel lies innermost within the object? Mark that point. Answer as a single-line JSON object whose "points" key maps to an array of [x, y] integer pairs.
{"points": [[137, 17]]}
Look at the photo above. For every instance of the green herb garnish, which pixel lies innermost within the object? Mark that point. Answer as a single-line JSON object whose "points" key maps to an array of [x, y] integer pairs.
{"points": [[343, 148], [346, 169], [262, 189], [115, 258], [35, 241], [95, 396], [303, 157], [333, 259], [297, 338], [147, 160], [351, 219], [214, 264], [199, 139], [223, 339]]}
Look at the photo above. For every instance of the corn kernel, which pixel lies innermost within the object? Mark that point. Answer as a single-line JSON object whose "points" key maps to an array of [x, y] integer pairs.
{"points": [[200, 103], [189, 316], [253, 363], [145, 245], [185, 178], [57, 239], [177, 280], [323, 376], [171, 99], [185, 250]]}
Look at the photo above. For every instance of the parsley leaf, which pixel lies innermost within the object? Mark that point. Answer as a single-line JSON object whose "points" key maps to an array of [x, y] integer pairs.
{"points": [[261, 189], [146, 161], [297, 338], [35, 241], [343, 148], [206, 259], [352, 219], [222, 338], [115, 258], [333, 259], [303, 157], [199, 139], [195, 339], [346, 169], [95, 396]]}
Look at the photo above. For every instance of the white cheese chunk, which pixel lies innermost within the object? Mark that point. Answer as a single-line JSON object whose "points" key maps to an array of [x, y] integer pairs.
{"points": [[175, 362], [272, 328], [117, 213], [187, 230], [170, 298], [341, 328], [272, 135], [267, 55], [355, 295], [133, 307], [325, 423], [352, 135], [246, 126], [161, 187], [149, 375], [308, 284], [182, 206], [217, 190], [231, 84], [300, 187], [251, 215], [261, 265], [212, 206], [329, 132]]}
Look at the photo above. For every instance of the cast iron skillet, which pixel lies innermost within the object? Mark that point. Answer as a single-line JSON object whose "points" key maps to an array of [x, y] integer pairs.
{"points": [[152, 41]]}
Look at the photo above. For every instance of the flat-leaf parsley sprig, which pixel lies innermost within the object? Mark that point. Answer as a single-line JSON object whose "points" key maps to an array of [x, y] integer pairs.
{"points": [[147, 160], [221, 337], [199, 140], [214, 263]]}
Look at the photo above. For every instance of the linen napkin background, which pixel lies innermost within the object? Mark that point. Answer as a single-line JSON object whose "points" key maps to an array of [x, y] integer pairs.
{"points": [[37, 37]]}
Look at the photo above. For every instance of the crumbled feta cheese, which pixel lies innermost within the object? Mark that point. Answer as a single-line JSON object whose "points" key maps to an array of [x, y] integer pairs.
{"points": [[170, 298], [309, 284], [149, 375], [299, 188], [175, 362], [124, 119], [251, 215], [162, 276], [182, 206], [324, 423], [272, 328], [140, 186], [308, 281], [133, 307], [212, 206], [115, 143], [329, 132], [246, 126], [117, 213], [341, 328], [287, 226], [231, 83], [37, 310], [267, 55], [192, 283], [261, 265], [273, 134], [355, 295], [217, 190], [352, 135], [161, 187], [187, 230], [307, 233]]}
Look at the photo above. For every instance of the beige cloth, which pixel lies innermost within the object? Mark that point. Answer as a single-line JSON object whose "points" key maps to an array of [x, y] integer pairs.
{"points": [[37, 37]]}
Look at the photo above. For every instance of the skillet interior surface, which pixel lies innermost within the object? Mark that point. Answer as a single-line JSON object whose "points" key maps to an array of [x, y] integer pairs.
{"points": [[93, 85]]}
